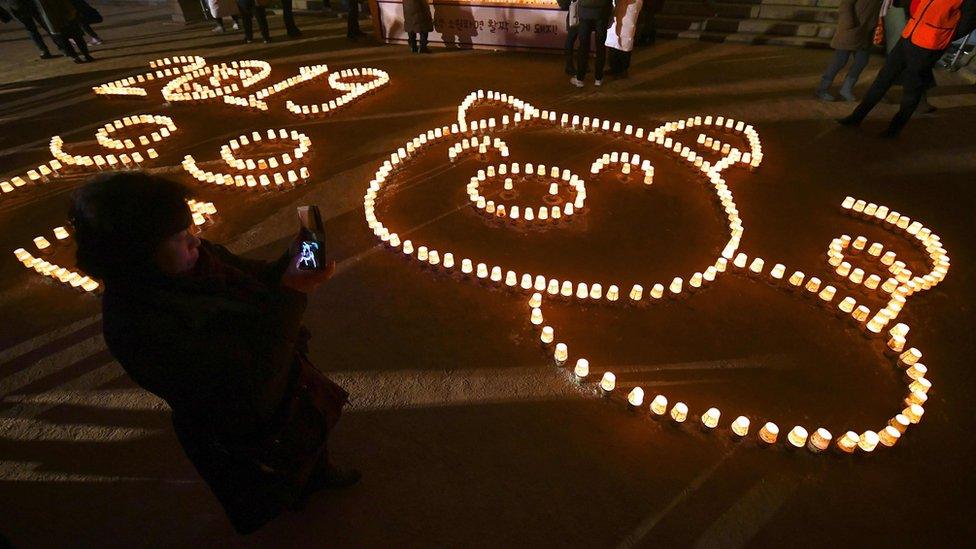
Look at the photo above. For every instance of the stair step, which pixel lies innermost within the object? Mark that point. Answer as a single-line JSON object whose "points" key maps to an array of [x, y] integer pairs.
{"points": [[749, 26], [747, 38]]}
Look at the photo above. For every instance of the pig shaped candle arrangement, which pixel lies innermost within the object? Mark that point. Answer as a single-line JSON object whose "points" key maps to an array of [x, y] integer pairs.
{"points": [[884, 280]]}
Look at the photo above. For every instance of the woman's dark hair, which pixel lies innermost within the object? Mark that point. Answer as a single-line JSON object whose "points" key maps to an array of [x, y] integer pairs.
{"points": [[120, 219]]}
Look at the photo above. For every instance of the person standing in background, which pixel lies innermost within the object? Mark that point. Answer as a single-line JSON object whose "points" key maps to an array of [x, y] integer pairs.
{"points": [[88, 16], [620, 36], [289, 18], [352, 21], [594, 19], [856, 22], [249, 10], [932, 27], [26, 12], [417, 21], [571, 7], [223, 8], [61, 20]]}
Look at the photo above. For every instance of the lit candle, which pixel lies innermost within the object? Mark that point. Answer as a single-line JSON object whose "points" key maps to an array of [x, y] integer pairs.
{"points": [[796, 279], [868, 441], [582, 369], [561, 353], [917, 370], [467, 267], [60, 233], [567, 289], [679, 413], [511, 279], [861, 313], [910, 357], [636, 292], [848, 442], [547, 334], [778, 271], [496, 274], [657, 291], [819, 441], [608, 383], [659, 405], [596, 291], [827, 294], [769, 432], [916, 397], [740, 426], [482, 271], [757, 265], [526, 283], [581, 290], [535, 300], [675, 287], [613, 293], [710, 418], [448, 258], [797, 436], [636, 397], [813, 284], [536, 317], [889, 436]]}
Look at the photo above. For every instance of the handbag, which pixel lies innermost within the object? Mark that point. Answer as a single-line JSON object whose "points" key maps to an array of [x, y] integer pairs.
{"points": [[879, 33], [573, 17]]}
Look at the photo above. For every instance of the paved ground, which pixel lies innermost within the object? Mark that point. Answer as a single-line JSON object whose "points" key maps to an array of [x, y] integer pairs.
{"points": [[466, 435]]}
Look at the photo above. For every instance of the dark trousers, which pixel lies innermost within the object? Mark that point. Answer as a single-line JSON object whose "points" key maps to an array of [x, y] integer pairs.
{"points": [[28, 17], [618, 60], [586, 28], [840, 60], [572, 33], [249, 10], [289, 17], [913, 65], [69, 34], [412, 40], [352, 19]]}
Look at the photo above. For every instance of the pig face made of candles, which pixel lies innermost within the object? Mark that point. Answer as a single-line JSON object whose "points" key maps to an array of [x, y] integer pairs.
{"points": [[617, 230]]}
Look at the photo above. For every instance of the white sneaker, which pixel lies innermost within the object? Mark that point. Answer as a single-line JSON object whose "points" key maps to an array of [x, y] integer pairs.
{"points": [[598, 82], [236, 27], [94, 42], [574, 81]]}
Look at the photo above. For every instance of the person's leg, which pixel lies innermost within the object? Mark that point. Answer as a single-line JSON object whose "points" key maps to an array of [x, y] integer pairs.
{"points": [[412, 40], [571, 34], [76, 35], [583, 54], [352, 20], [262, 16], [893, 68], [860, 61], [247, 18], [837, 63], [919, 63], [624, 63], [288, 16], [601, 50], [27, 20], [423, 43]]}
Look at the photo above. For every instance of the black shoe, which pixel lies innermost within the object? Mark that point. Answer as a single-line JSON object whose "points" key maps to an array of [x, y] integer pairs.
{"points": [[88, 58], [47, 55], [849, 120], [413, 48], [294, 33], [423, 49], [78, 60]]}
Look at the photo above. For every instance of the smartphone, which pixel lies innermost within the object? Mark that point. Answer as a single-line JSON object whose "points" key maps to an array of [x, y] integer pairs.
{"points": [[311, 254]]}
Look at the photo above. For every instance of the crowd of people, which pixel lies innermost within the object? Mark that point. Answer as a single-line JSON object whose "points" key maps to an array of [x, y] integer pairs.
{"points": [[66, 22], [244, 12]]}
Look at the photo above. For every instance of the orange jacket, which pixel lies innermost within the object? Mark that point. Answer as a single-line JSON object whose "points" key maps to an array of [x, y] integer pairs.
{"points": [[933, 23]]}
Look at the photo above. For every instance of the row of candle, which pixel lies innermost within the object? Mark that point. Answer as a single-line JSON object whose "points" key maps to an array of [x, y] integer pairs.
{"points": [[353, 90], [474, 143], [269, 175], [512, 211], [185, 88], [626, 160], [98, 161], [256, 100], [165, 124], [798, 437], [201, 213], [166, 67]]}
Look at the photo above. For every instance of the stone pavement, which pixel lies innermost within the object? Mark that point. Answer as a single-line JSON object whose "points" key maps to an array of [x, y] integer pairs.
{"points": [[466, 435]]}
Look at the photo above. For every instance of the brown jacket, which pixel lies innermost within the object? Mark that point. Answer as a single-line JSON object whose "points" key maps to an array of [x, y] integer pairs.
{"points": [[856, 21]]}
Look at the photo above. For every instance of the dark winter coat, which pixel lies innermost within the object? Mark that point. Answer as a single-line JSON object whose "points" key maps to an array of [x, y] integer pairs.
{"points": [[856, 21], [227, 354], [596, 9], [416, 16], [57, 15]]}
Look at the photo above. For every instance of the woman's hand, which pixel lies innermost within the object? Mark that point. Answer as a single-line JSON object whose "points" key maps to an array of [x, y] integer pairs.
{"points": [[306, 281], [303, 280]]}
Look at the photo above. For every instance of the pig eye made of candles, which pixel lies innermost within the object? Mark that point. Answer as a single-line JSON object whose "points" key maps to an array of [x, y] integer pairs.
{"points": [[499, 192]]}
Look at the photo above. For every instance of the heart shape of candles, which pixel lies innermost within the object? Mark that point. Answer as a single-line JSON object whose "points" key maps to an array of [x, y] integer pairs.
{"points": [[551, 213], [473, 131], [275, 171]]}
